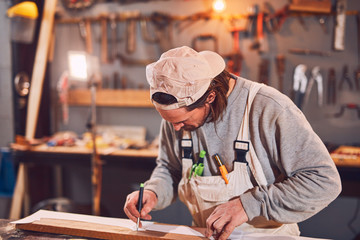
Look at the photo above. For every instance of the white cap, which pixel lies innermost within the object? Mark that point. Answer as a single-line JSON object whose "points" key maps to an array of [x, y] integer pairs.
{"points": [[183, 73]]}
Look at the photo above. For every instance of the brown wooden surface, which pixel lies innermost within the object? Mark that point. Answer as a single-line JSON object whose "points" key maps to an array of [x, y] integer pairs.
{"points": [[346, 156], [111, 98], [93, 230], [151, 153]]}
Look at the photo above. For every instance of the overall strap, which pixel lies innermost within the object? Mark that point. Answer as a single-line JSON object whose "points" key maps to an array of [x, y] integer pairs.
{"points": [[243, 145], [186, 145]]}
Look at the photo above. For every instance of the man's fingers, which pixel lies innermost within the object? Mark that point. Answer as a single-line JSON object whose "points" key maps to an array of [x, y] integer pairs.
{"points": [[210, 228], [130, 216], [130, 207], [226, 232]]}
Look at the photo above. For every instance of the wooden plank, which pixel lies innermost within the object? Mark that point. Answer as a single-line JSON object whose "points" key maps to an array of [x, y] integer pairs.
{"points": [[38, 74], [94, 230], [111, 98], [18, 195], [37, 80]]}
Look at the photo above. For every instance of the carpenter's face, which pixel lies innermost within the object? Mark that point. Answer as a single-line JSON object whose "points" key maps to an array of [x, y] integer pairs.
{"points": [[187, 120]]}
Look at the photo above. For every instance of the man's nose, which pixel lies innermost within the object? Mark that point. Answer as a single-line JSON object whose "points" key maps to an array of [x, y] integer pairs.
{"points": [[178, 126]]}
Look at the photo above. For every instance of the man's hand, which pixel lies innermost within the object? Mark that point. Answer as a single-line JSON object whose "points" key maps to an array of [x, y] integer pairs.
{"points": [[130, 207], [223, 220]]}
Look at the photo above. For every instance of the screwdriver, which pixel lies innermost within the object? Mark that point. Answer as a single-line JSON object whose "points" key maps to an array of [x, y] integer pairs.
{"points": [[222, 168]]}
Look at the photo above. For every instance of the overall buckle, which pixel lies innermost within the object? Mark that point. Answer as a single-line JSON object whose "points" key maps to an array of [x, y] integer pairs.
{"points": [[241, 148]]}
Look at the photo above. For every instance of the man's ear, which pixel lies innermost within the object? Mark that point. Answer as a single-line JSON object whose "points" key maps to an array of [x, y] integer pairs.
{"points": [[211, 97]]}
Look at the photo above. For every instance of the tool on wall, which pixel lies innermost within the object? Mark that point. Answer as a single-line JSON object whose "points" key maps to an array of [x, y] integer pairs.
{"points": [[264, 71], [63, 90], [259, 42], [144, 23], [190, 20], [203, 38], [322, 21], [252, 29], [85, 33], [345, 78], [271, 22], [340, 20], [274, 21], [315, 77], [78, 4], [299, 85], [234, 59], [104, 40], [113, 36], [22, 87], [357, 78], [358, 35], [280, 70], [134, 62], [331, 94], [300, 51], [23, 18], [131, 32], [163, 29], [352, 106]]}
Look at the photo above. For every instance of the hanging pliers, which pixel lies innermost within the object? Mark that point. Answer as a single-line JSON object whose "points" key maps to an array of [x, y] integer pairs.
{"points": [[299, 85], [315, 77], [345, 78]]}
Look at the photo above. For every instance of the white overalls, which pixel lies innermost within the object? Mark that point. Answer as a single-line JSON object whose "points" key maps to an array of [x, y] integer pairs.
{"points": [[201, 194]]}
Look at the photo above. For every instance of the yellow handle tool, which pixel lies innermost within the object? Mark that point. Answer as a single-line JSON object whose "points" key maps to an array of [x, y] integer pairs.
{"points": [[222, 168]]}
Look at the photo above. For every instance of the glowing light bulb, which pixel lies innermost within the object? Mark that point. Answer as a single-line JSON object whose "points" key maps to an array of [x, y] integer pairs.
{"points": [[219, 5]]}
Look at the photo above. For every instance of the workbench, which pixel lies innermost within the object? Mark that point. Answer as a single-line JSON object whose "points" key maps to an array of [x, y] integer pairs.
{"points": [[81, 155], [59, 160], [144, 160]]}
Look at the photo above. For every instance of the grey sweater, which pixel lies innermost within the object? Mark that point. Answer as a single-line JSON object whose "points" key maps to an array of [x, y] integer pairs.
{"points": [[302, 176]]}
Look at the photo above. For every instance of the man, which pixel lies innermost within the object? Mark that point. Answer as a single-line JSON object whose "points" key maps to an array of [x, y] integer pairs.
{"points": [[279, 171]]}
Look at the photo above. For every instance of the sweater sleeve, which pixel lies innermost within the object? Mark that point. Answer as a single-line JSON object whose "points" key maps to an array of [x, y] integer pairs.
{"points": [[308, 180], [166, 176]]}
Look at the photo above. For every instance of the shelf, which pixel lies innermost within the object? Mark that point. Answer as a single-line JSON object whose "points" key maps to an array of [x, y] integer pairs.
{"points": [[111, 98]]}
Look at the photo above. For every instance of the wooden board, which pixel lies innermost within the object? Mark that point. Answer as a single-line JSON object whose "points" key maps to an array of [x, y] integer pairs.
{"points": [[93, 230], [37, 80], [111, 98]]}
